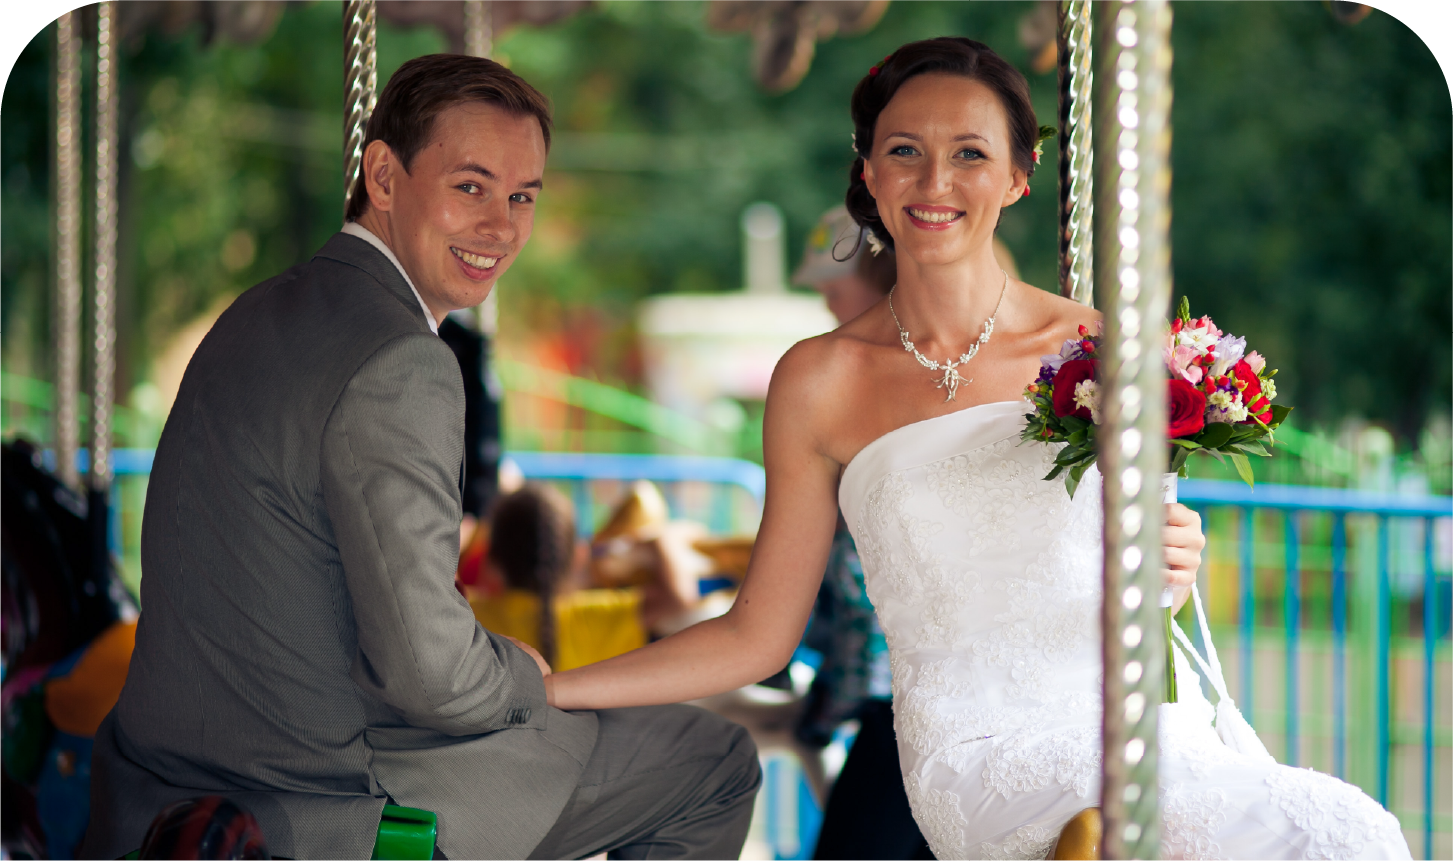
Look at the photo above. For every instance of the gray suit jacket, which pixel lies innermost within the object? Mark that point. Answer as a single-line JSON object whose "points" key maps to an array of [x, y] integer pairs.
{"points": [[302, 647]]}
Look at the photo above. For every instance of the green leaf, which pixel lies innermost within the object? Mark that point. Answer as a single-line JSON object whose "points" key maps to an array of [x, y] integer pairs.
{"points": [[1279, 413], [1072, 483], [1186, 443], [1215, 435], [1254, 447], [1072, 453], [1074, 423], [1078, 437], [1054, 472], [1243, 467], [1178, 459]]}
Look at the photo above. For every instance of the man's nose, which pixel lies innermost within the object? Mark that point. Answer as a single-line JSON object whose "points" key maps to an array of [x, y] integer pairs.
{"points": [[496, 223]]}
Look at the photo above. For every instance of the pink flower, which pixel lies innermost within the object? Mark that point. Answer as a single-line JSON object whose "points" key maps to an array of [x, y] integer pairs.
{"points": [[1178, 360], [1257, 363]]}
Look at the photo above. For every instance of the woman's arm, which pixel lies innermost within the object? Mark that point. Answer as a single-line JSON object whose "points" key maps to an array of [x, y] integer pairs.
{"points": [[757, 636]]}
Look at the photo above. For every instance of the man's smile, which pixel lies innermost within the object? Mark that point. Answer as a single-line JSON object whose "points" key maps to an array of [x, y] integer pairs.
{"points": [[474, 262]]}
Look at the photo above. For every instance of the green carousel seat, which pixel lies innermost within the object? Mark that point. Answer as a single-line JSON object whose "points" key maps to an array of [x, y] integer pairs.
{"points": [[213, 827], [406, 833]]}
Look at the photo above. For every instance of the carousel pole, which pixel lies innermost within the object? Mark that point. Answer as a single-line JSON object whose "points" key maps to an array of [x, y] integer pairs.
{"points": [[360, 85], [1132, 271], [479, 42], [479, 28], [1076, 201], [66, 313], [103, 310]]}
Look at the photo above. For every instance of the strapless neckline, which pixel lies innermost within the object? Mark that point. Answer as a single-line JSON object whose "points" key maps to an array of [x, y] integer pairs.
{"points": [[1019, 404], [894, 449]]}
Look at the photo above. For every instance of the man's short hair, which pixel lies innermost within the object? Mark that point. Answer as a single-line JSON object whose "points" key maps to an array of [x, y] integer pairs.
{"points": [[425, 86]]}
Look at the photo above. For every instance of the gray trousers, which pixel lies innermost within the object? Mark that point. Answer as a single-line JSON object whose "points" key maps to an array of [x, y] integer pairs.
{"points": [[663, 782]]}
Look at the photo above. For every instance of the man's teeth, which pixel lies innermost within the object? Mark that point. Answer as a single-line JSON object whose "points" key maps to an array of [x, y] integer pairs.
{"points": [[934, 217], [475, 260]]}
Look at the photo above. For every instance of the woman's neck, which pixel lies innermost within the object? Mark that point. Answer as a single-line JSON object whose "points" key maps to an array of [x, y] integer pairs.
{"points": [[944, 307]]}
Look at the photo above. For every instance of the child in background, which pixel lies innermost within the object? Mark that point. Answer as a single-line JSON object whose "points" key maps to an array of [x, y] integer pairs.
{"points": [[534, 551]]}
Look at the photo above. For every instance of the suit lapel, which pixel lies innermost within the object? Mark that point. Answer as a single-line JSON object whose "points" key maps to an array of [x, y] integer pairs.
{"points": [[360, 255]]}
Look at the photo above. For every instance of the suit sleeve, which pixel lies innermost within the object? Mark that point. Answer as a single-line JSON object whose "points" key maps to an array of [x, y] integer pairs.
{"points": [[391, 459]]}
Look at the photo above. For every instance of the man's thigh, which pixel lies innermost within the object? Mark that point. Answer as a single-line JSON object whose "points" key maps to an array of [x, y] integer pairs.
{"points": [[663, 782]]}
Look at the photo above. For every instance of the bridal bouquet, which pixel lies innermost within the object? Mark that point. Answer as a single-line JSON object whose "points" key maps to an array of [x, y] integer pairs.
{"points": [[1218, 395]]}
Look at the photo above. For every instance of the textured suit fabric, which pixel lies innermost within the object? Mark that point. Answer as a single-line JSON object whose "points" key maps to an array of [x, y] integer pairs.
{"points": [[663, 782], [301, 643]]}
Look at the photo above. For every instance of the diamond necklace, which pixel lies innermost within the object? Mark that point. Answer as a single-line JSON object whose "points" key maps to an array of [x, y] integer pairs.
{"points": [[951, 378]]}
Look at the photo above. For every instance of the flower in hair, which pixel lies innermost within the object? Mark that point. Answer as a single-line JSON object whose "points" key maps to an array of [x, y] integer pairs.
{"points": [[1045, 133], [875, 244], [880, 65]]}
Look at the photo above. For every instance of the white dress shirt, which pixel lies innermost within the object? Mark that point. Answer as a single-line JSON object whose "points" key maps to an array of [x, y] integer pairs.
{"points": [[353, 228]]}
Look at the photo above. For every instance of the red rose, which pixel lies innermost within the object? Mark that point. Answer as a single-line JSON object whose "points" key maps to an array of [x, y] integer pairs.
{"points": [[1071, 374], [1257, 407], [1185, 409]]}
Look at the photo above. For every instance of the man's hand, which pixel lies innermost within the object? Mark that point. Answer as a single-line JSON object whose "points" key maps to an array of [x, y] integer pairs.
{"points": [[530, 650], [1184, 541]]}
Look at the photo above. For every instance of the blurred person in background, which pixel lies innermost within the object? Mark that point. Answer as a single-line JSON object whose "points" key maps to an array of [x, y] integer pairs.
{"points": [[867, 813], [483, 395], [547, 599]]}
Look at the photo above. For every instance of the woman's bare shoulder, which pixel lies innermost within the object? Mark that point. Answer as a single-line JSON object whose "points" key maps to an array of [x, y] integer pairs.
{"points": [[817, 377], [818, 364], [1053, 316]]}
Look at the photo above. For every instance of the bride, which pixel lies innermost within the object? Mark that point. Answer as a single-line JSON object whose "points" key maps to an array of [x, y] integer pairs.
{"points": [[985, 578]]}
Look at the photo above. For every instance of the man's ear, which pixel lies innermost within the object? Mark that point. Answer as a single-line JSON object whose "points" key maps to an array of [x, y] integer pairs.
{"points": [[380, 167]]}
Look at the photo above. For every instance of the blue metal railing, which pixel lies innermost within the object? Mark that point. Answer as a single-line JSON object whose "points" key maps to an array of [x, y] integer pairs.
{"points": [[1294, 501]]}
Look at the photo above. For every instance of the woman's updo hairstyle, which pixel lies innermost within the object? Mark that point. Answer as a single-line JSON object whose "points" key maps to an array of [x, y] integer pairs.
{"points": [[952, 55]]}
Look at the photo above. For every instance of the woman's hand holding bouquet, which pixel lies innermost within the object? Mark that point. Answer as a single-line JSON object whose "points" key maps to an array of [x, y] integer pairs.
{"points": [[1218, 400]]}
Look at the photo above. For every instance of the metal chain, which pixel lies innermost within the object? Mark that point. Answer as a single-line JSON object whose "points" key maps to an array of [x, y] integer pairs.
{"points": [[360, 85], [66, 319], [1076, 196], [104, 310]]}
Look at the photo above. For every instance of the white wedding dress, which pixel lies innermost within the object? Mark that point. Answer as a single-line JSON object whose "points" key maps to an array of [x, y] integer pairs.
{"points": [[986, 581]]}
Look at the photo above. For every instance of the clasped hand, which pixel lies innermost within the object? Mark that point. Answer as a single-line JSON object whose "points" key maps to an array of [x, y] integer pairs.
{"points": [[1184, 541]]}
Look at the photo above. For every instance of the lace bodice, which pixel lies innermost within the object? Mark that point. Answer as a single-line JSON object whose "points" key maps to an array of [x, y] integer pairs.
{"points": [[985, 577]]}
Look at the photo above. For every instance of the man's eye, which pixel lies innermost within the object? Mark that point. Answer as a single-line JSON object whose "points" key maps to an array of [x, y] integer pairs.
{"points": [[468, 188], [520, 197]]}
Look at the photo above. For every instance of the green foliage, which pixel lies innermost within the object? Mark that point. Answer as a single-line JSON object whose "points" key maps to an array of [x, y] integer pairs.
{"points": [[1312, 203]]}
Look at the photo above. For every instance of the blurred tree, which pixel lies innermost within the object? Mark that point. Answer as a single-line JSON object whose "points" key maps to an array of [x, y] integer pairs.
{"points": [[1312, 203], [1312, 200]]}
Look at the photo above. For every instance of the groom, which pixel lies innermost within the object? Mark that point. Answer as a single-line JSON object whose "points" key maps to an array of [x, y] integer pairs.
{"points": [[302, 649]]}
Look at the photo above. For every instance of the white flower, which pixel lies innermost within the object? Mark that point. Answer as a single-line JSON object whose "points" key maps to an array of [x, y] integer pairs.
{"points": [[874, 243], [1197, 339], [1268, 389], [1225, 406], [1087, 396], [1229, 351]]}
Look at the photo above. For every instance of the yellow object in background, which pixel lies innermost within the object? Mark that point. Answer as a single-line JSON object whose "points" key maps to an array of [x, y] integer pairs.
{"points": [[590, 624], [77, 701]]}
